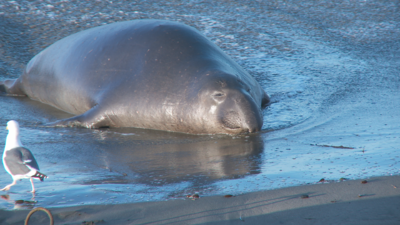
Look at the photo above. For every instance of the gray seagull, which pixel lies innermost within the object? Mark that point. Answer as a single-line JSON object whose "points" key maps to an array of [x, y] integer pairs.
{"points": [[18, 161]]}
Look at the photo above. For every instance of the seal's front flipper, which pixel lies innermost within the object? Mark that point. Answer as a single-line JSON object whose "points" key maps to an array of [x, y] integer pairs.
{"points": [[93, 118], [11, 87]]}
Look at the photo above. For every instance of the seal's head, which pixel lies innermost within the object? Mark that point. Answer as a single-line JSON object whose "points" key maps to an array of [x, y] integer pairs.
{"points": [[228, 105]]}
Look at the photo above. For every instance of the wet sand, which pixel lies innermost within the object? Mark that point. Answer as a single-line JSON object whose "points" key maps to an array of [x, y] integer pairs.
{"points": [[346, 202]]}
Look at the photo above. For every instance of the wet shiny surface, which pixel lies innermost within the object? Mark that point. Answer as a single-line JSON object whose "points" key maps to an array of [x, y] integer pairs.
{"points": [[331, 69]]}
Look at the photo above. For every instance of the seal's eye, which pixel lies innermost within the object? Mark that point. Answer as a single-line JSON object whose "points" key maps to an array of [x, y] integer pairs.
{"points": [[218, 94]]}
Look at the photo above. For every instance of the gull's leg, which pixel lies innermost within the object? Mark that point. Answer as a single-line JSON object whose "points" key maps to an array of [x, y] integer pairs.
{"points": [[6, 188], [33, 186]]}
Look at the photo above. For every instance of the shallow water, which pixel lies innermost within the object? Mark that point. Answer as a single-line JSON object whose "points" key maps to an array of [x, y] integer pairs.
{"points": [[331, 69]]}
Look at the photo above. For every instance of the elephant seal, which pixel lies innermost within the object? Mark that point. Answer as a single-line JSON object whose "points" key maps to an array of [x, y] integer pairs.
{"points": [[151, 74]]}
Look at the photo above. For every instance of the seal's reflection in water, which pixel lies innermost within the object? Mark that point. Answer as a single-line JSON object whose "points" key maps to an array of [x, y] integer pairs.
{"points": [[158, 158]]}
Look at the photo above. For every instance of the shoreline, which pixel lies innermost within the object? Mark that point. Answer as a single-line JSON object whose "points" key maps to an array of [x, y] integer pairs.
{"points": [[327, 203]]}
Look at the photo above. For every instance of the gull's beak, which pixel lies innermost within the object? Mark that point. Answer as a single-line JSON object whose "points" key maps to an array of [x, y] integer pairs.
{"points": [[6, 128]]}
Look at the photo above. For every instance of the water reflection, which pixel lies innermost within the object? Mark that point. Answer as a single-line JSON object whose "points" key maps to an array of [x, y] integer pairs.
{"points": [[158, 158], [20, 204]]}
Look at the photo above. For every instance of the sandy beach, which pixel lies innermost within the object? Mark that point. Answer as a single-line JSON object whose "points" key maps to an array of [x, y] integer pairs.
{"points": [[346, 202]]}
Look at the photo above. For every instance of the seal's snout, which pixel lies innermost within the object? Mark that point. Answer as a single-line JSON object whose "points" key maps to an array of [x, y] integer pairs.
{"points": [[243, 115], [231, 120]]}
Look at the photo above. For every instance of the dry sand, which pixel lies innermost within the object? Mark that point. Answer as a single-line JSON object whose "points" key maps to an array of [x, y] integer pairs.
{"points": [[328, 203]]}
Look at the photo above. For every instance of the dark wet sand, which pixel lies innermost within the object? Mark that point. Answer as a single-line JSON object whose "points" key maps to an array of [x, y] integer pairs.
{"points": [[328, 203]]}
